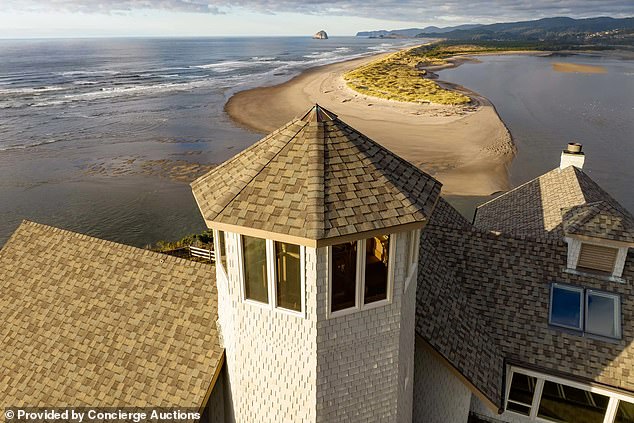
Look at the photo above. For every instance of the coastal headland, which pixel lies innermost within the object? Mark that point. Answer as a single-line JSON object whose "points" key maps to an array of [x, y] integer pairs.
{"points": [[465, 146]]}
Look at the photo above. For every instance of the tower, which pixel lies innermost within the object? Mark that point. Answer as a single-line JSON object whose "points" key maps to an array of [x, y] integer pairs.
{"points": [[317, 230]]}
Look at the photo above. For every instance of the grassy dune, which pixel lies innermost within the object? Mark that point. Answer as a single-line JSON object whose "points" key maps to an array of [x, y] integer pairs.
{"points": [[399, 76]]}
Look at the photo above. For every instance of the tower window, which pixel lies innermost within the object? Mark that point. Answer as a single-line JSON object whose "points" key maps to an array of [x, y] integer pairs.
{"points": [[376, 268], [344, 276], [288, 276], [222, 249], [255, 280], [360, 274]]}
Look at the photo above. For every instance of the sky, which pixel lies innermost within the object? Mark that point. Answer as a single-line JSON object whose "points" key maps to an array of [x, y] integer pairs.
{"points": [[97, 18]]}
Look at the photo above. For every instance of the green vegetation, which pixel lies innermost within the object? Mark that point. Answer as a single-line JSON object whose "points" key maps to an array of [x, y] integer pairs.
{"points": [[202, 240], [401, 77], [396, 77]]}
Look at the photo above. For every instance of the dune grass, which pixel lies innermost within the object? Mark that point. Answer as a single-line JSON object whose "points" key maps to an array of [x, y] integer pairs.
{"points": [[399, 76]]}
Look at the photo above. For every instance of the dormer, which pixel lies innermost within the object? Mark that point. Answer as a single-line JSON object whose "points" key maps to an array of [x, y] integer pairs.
{"points": [[599, 235]]}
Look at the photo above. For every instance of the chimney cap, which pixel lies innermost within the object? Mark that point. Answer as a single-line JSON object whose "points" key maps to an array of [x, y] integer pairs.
{"points": [[573, 148]]}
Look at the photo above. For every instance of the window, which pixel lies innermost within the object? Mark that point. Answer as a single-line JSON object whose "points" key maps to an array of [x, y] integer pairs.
{"points": [[343, 276], [255, 274], [603, 315], [273, 273], [521, 394], [376, 269], [360, 273], [543, 397], [412, 253], [288, 277], [625, 412], [222, 249], [594, 312], [562, 403], [597, 257], [566, 306]]}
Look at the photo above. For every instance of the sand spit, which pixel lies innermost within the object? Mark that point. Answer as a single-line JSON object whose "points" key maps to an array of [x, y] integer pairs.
{"points": [[576, 68], [467, 147]]}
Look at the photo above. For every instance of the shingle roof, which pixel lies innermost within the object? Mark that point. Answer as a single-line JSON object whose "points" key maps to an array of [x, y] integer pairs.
{"points": [[88, 322], [483, 299], [536, 208], [316, 178], [599, 220]]}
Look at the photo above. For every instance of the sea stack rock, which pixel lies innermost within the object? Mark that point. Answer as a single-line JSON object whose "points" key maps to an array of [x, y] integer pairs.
{"points": [[321, 35]]}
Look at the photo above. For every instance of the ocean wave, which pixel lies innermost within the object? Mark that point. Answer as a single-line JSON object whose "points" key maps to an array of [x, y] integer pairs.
{"points": [[30, 90], [30, 145], [231, 65], [85, 72]]}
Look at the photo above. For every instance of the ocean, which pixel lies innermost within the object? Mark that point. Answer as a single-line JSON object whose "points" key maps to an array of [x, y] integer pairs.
{"points": [[101, 136]]}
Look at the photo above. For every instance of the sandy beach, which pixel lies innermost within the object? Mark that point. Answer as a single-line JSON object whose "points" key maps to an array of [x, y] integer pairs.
{"points": [[468, 148]]}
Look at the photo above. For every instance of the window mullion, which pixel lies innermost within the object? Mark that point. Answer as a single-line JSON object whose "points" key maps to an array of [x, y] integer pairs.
{"points": [[537, 396], [610, 413], [360, 285], [270, 272]]}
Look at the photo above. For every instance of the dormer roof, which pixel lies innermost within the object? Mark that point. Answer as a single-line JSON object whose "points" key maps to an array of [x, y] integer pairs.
{"points": [[313, 181], [599, 220], [559, 202]]}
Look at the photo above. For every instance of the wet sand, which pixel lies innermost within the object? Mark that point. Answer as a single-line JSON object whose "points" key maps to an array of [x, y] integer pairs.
{"points": [[576, 68], [468, 148]]}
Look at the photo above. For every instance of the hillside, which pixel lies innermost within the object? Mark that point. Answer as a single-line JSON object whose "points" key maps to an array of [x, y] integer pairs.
{"points": [[560, 29], [412, 32]]}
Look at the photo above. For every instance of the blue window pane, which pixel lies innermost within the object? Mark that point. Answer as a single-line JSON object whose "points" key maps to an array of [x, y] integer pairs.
{"points": [[565, 309], [602, 317]]}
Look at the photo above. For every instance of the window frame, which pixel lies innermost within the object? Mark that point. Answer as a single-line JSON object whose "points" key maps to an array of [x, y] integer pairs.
{"points": [[572, 288], [617, 312], [413, 250], [271, 278], [360, 279], [218, 254], [614, 397]]}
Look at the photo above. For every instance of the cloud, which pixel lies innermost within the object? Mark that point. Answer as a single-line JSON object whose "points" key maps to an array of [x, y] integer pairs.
{"points": [[451, 11]]}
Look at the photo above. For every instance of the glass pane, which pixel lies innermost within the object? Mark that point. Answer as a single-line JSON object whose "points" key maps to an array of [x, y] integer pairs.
{"points": [[566, 308], [376, 266], [601, 315], [222, 244], [517, 408], [344, 276], [625, 413], [288, 274], [255, 283], [522, 389], [412, 248], [561, 403]]}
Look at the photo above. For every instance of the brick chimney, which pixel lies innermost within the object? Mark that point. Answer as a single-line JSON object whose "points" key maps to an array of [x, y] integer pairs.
{"points": [[572, 156]]}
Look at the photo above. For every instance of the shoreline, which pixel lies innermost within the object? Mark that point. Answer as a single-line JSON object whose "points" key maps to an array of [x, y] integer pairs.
{"points": [[468, 148]]}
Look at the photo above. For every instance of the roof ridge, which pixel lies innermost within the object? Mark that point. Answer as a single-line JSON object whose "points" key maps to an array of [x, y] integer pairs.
{"points": [[262, 167]]}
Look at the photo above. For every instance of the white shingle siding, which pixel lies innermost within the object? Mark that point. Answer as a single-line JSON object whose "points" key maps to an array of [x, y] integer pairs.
{"points": [[270, 355], [358, 354], [287, 368], [439, 396]]}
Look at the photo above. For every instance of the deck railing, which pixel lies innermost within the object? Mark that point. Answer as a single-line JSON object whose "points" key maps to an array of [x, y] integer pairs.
{"points": [[202, 253]]}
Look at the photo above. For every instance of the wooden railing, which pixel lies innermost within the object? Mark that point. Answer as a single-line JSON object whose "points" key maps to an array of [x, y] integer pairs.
{"points": [[202, 253]]}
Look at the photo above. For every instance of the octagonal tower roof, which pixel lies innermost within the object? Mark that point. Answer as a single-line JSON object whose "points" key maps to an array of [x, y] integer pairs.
{"points": [[316, 181]]}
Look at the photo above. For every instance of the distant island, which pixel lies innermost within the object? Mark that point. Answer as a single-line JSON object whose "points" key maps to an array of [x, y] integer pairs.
{"points": [[321, 35], [600, 31]]}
